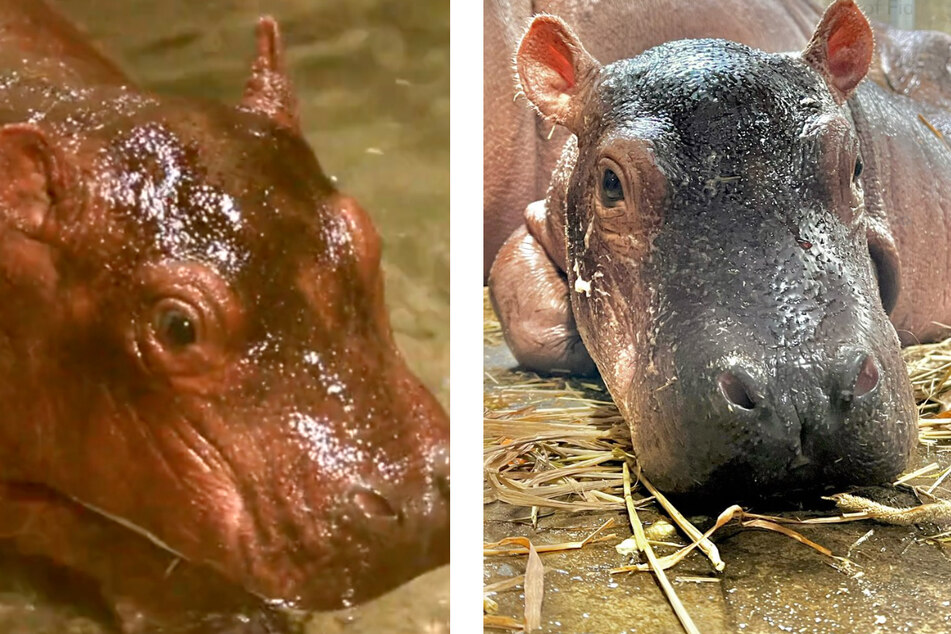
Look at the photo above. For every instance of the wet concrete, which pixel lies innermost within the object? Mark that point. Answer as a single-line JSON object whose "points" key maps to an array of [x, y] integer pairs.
{"points": [[897, 580]]}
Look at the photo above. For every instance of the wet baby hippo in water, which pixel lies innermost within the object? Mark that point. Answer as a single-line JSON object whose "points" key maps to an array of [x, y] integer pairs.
{"points": [[722, 240], [203, 401]]}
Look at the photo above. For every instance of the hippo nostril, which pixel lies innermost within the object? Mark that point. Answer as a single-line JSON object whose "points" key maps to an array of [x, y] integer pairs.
{"points": [[373, 505], [735, 390], [867, 377]]}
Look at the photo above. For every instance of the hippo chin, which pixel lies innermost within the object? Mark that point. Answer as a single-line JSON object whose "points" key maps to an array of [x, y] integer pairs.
{"points": [[200, 385], [721, 241]]}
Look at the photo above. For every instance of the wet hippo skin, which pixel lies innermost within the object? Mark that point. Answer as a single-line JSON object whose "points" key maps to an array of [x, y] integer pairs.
{"points": [[732, 238], [204, 409]]}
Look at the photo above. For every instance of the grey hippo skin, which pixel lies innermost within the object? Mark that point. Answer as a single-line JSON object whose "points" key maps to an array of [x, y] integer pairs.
{"points": [[724, 239], [521, 150]]}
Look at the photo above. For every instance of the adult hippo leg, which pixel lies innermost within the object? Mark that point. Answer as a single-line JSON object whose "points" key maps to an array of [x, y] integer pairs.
{"points": [[509, 176], [530, 295]]}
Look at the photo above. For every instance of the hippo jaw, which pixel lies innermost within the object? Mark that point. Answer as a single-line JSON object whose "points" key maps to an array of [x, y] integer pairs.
{"points": [[269, 517], [719, 258]]}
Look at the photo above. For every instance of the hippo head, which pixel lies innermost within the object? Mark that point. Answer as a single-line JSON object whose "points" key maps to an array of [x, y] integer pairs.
{"points": [[195, 347], [722, 270]]}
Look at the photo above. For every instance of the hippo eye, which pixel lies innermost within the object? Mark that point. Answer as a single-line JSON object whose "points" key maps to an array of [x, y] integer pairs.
{"points": [[858, 168], [175, 328], [611, 190]]}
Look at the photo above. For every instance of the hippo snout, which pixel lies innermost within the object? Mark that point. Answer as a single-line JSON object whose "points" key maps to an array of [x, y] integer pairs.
{"points": [[755, 427], [385, 520], [384, 510]]}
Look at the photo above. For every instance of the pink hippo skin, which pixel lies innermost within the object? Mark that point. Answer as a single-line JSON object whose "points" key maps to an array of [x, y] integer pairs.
{"points": [[731, 238], [204, 410]]}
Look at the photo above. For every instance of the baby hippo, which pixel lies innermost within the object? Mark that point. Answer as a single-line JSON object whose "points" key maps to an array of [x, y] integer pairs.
{"points": [[731, 240], [204, 408]]}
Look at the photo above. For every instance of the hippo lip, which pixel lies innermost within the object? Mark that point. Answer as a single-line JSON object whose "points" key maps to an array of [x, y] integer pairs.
{"points": [[38, 492], [363, 586]]}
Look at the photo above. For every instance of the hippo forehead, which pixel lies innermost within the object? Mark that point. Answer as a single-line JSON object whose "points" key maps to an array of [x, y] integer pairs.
{"points": [[226, 193], [734, 131], [713, 94]]}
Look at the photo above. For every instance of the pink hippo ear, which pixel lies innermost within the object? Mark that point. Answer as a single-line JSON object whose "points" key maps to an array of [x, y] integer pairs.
{"points": [[554, 70], [841, 48], [269, 91], [36, 178]]}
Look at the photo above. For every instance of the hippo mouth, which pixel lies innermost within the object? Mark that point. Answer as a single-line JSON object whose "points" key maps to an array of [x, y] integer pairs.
{"points": [[33, 495], [30, 501], [360, 578]]}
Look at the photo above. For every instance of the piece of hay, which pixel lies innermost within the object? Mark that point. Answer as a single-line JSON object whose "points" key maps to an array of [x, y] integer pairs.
{"points": [[917, 473], [496, 622], [935, 512], [534, 590], [689, 529], [533, 581], [749, 520], [658, 571], [495, 548]]}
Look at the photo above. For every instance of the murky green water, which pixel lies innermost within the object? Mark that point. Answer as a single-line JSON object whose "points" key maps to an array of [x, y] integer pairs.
{"points": [[373, 81]]}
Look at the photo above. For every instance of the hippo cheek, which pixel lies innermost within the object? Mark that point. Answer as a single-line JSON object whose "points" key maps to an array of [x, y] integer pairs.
{"points": [[731, 430]]}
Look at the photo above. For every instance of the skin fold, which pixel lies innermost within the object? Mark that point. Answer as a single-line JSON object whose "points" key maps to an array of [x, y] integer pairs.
{"points": [[738, 227], [205, 410]]}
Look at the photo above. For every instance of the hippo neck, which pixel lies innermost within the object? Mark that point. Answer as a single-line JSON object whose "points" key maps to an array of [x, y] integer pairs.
{"points": [[36, 41]]}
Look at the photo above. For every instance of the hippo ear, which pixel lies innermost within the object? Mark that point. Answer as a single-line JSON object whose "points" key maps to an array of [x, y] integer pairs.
{"points": [[36, 177], [554, 69], [841, 48], [269, 91]]}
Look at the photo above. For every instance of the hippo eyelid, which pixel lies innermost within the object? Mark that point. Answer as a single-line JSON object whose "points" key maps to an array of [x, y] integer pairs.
{"points": [[859, 167], [608, 208], [197, 293]]}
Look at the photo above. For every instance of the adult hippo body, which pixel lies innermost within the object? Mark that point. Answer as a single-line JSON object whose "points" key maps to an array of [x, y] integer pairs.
{"points": [[721, 240], [204, 408]]}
